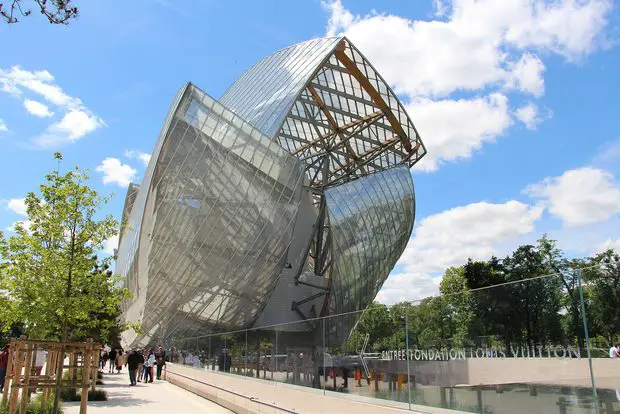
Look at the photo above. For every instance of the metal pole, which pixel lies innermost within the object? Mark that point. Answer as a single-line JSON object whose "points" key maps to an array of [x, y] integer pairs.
{"points": [[324, 350], [407, 353], [587, 338]]}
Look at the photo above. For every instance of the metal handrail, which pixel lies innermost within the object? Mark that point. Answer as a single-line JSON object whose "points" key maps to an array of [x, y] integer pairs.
{"points": [[253, 399]]}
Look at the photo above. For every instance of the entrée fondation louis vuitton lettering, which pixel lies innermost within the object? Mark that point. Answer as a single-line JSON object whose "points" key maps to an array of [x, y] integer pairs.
{"points": [[448, 354]]}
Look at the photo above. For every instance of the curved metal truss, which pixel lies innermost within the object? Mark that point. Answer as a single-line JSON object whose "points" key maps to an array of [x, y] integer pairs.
{"points": [[347, 122]]}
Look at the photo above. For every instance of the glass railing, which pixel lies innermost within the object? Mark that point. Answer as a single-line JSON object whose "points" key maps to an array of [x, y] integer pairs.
{"points": [[512, 348]]}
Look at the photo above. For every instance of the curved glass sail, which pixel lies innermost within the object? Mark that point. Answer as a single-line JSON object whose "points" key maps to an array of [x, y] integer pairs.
{"points": [[216, 223], [289, 199]]}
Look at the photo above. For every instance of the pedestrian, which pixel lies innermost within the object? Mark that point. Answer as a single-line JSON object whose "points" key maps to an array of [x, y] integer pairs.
{"points": [[140, 370], [145, 368], [39, 360], [120, 360], [160, 359], [150, 361], [103, 357], [133, 361], [614, 352], [4, 361], [112, 359]]}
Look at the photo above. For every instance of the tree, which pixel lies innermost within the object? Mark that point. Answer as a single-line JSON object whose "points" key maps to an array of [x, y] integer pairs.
{"points": [[565, 269], [602, 282], [491, 304], [56, 11], [535, 313], [453, 288], [53, 282]]}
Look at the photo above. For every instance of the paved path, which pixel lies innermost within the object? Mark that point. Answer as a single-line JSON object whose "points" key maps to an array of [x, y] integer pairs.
{"points": [[158, 397]]}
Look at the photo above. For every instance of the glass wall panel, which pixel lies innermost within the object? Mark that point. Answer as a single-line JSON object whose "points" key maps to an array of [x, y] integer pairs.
{"points": [[296, 353], [510, 348], [503, 349]]}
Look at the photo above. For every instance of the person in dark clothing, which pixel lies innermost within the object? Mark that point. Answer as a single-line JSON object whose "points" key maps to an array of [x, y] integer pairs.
{"points": [[104, 358], [160, 360], [4, 361], [221, 362], [133, 360], [112, 359]]}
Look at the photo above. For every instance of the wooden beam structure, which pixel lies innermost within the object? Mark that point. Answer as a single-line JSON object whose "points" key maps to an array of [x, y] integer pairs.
{"points": [[374, 94]]}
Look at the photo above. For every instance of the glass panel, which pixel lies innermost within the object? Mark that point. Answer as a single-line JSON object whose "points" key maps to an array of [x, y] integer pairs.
{"points": [[501, 349], [371, 360], [513, 347], [296, 350], [599, 298]]}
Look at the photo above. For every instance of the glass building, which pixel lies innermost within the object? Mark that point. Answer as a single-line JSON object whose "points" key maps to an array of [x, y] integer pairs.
{"points": [[288, 199]]}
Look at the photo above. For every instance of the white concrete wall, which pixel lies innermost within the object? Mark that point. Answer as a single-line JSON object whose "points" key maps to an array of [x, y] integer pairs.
{"points": [[286, 396]]}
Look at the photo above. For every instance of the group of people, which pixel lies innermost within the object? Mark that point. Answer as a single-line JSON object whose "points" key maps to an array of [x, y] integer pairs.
{"points": [[114, 357], [139, 362]]}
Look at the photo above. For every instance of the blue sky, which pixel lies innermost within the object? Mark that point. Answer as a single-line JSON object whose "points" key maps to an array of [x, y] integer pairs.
{"points": [[516, 100]]}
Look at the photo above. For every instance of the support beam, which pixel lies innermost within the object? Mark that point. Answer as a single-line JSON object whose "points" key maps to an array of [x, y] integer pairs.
{"points": [[372, 92], [364, 122], [330, 119]]}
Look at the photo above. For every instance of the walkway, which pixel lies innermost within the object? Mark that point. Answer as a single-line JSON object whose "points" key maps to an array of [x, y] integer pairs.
{"points": [[158, 397]]}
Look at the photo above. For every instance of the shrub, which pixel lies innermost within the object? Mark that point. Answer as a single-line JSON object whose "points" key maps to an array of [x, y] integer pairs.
{"points": [[71, 394], [33, 407]]}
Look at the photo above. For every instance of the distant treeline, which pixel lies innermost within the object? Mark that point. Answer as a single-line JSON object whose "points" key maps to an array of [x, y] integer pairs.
{"points": [[529, 298]]}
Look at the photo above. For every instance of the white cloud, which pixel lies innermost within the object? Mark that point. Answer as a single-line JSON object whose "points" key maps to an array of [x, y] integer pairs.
{"points": [[3, 127], [453, 129], [36, 108], [116, 172], [110, 244], [529, 115], [73, 126], [401, 287], [471, 49], [26, 224], [440, 8], [142, 156], [450, 237], [527, 75], [17, 205], [39, 82], [568, 27], [479, 46], [77, 120], [609, 244], [580, 196], [608, 155]]}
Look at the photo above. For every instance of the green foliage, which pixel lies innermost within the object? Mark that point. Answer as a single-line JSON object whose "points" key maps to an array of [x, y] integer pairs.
{"points": [[33, 407], [603, 287], [503, 303], [55, 285], [72, 394]]}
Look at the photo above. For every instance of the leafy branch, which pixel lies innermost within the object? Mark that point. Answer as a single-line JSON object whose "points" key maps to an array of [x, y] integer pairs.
{"points": [[56, 11]]}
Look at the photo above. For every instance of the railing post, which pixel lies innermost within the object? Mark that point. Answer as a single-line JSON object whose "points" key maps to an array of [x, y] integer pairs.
{"points": [[26, 386], [9, 367]]}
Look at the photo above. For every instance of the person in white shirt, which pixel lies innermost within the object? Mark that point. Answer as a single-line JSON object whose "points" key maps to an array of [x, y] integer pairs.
{"points": [[150, 361], [614, 352], [39, 360]]}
